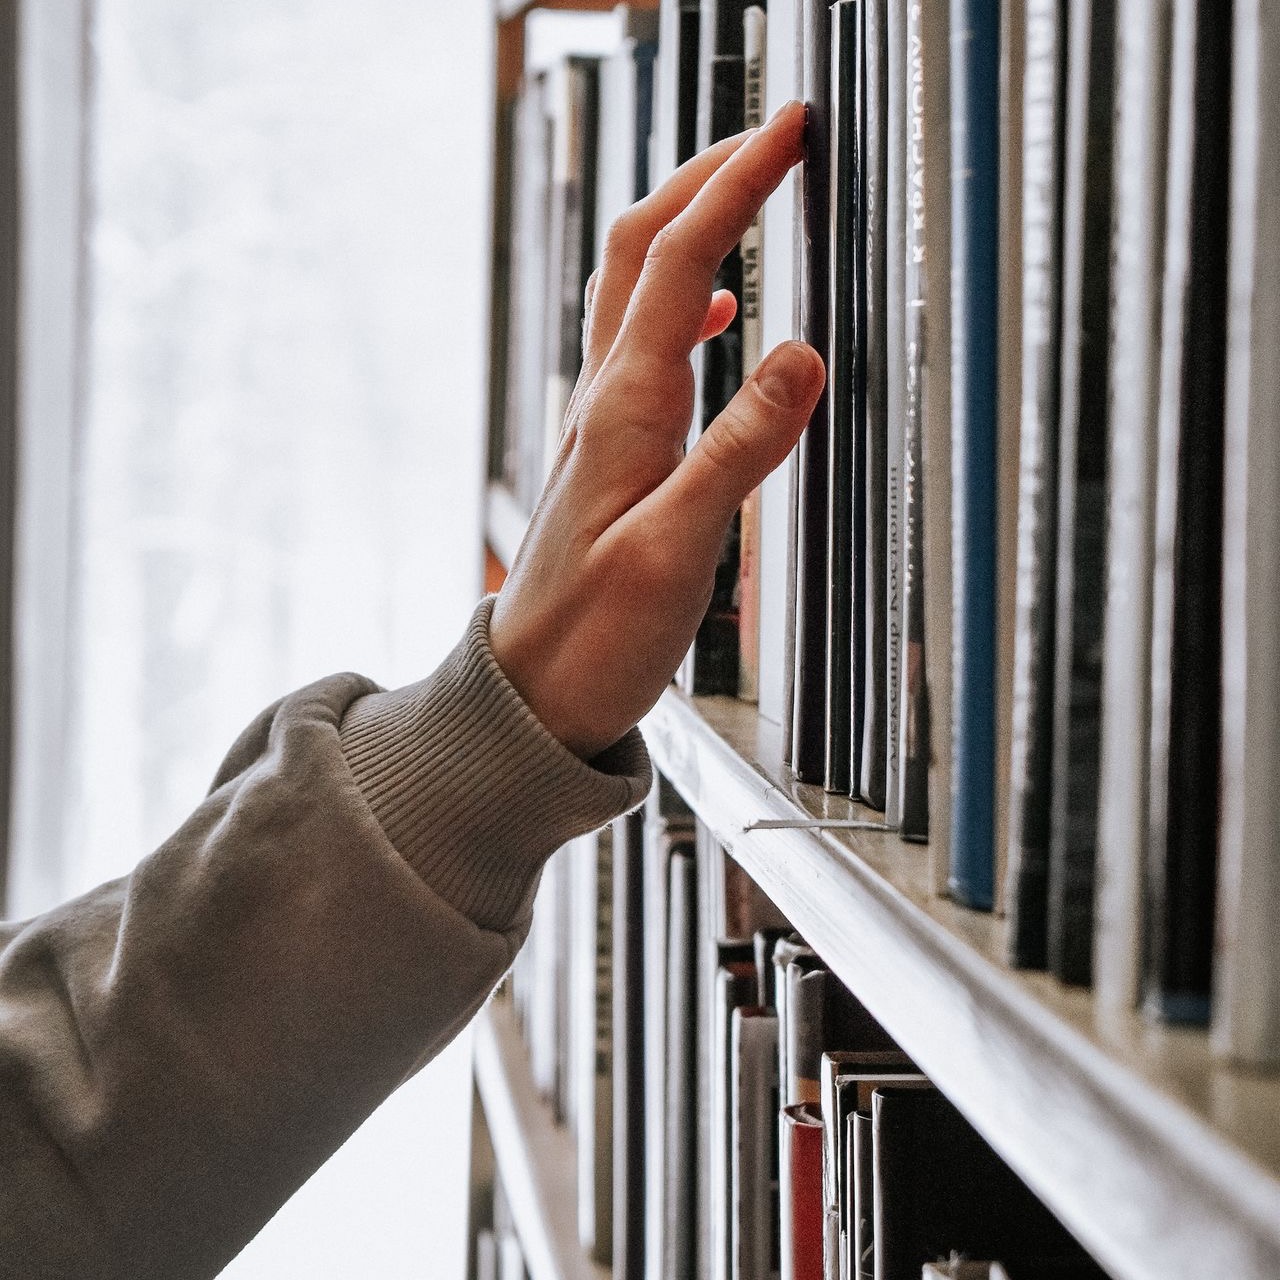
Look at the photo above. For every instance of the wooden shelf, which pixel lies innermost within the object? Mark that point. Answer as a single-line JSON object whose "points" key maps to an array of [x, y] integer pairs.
{"points": [[505, 10], [1161, 1161], [537, 1157]]}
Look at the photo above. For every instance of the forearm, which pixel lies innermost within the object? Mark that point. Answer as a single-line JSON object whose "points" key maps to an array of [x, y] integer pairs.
{"points": [[181, 1049]]}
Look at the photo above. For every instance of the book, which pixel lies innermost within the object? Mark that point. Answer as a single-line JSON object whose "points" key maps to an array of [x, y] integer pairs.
{"points": [[1013, 14], [1031, 743], [734, 989], [526, 375], [847, 1082], [860, 1196], [749, 542], [808, 734], [802, 1188], [974, 226], [1246, 1001], [626, 972], [845, 562], [1082, 488], [753, 1136], [600, 1055], [936, 444], [1142, 95], [777, 494], [668, 832], [939, 1188], [874, 100], [1186, 586], [913, 718], [574, 100], [712, 666], [895, 12], [680, 1185]]}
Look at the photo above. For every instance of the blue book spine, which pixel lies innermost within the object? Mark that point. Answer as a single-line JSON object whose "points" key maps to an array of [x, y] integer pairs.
{"points": [[975, 77]]}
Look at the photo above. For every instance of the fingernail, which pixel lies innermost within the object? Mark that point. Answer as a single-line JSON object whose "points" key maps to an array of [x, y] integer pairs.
{"points": [[787, 377], [786, 106]]}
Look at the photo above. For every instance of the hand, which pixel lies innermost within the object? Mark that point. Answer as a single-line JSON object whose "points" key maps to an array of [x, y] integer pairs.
{"points": [[616, 569]]}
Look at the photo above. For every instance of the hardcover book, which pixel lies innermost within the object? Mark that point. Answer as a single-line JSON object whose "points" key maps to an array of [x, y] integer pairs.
{"points": [[1082, 486], [1247, 963], [1186, 589], [1142, 96], [1032, 707]]}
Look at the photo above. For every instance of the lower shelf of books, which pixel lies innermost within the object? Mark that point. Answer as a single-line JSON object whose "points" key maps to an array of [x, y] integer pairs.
{"points": [[533, 1229], [1159, 1160]]}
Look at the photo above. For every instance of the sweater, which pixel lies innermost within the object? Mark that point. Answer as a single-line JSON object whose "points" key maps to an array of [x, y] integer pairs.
{"points": [[182, 1048]]}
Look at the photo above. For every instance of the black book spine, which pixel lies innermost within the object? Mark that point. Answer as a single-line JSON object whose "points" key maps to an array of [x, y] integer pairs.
{"points": [[628, 1049], [1186, 656], [1032, 733], [873, 98], [914, 721], [713, 664], [1082, 488], [687, 82], [808, 742], [844, 566]]}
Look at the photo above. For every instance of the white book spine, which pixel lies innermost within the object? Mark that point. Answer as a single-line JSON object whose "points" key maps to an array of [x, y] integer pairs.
{"points": [[754, 1175], [777, 288], [1142, 100], [1247, 962], [895, 359]]}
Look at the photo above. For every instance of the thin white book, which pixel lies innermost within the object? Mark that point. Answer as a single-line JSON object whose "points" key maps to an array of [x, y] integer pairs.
{"points": [[753, 1124], [896, 365], [1246, 1013], [1142, 100], [777, 324]]}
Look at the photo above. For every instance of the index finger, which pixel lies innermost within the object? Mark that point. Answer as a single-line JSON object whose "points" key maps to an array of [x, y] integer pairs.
{"points": [[665, 316]]}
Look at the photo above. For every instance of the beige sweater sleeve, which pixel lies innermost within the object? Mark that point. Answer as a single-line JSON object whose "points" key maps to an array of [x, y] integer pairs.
{"points": [[181, 1049]]}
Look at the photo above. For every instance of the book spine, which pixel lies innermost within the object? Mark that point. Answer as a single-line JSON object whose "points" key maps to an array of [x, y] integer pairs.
{"points": [[802, 1166], [974, 190], [1082, 479], [754, 1139], [1032, 710], [680, 1166], [873, 99], [1247, 965], [777, 498], [843, 565], [1186, 592], [1142, 96], [895, 379], [937, 432], [625, 973], [751, 251], [1013, 46], [913, 721], [593, 1012], [808, 745]]}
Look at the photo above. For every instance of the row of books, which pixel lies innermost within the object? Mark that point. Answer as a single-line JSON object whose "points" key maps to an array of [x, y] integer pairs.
{"points": [[988, 599], [739, 1115]]}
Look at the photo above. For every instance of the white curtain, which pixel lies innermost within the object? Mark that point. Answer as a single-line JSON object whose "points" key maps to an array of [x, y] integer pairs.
{"points": [[280, 466]]}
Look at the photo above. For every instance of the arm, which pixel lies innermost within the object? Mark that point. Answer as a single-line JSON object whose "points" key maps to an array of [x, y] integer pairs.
{"points": [[181, 1049]]}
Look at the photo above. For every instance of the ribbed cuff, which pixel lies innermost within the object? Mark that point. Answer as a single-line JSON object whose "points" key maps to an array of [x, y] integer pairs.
{"points": [[471, 789]]}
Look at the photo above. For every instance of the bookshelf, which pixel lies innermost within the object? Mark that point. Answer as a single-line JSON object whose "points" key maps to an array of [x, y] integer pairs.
{"points": [[1162, 1160]]}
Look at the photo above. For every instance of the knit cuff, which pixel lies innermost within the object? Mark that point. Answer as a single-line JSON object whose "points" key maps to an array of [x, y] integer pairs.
{"points": [[472, 790]]}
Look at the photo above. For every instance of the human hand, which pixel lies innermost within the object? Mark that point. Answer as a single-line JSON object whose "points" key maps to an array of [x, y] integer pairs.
{"points": [[617, 567]]}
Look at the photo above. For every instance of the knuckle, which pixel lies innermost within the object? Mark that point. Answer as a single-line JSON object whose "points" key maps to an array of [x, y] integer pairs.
{"points": [[620, 240]]}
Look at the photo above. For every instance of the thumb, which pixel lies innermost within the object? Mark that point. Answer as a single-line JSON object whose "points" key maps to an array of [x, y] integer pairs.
{"points": [[755, 432]]}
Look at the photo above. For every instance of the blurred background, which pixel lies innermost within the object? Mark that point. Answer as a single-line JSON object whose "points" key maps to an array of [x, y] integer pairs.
{"points": [[254, 318]]}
